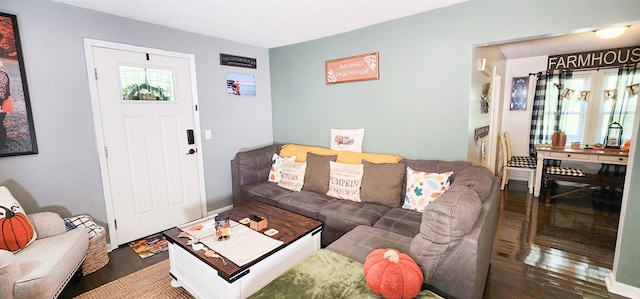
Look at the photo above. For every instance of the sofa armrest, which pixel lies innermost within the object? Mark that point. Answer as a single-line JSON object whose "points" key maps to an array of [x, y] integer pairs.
{"points": [[47, 224], [250, 167], [9, 274]]}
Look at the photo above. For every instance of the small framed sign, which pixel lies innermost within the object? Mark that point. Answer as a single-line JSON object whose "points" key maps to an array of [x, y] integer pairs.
{"points": [[519, 93], [350, 69]]}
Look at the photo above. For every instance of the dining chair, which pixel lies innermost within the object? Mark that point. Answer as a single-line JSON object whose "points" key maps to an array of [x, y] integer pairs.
{"points": [[515, 163]]}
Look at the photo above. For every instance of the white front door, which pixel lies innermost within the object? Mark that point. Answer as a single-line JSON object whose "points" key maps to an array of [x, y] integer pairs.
{"points": [[146, 110]]}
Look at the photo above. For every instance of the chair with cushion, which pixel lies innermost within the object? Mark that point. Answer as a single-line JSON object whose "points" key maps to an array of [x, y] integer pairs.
{"points": [[38, 256], [515, 163]]}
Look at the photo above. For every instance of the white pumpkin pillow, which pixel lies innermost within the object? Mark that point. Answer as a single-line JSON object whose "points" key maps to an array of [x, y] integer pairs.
{"points": [[424, 187], [292, 175], [276, 167], [345, 180], [16, 230]]}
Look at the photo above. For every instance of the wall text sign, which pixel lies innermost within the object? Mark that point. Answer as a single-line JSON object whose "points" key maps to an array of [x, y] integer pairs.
{"points": [[595, 59], [350, 69], [239, 61]]}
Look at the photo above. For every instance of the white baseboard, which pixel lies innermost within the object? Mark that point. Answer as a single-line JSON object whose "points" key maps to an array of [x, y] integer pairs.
{"points": [[620, 288]]}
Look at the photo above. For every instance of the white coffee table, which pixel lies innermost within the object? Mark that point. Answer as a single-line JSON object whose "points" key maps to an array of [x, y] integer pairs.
{"points": [[206, 277]]}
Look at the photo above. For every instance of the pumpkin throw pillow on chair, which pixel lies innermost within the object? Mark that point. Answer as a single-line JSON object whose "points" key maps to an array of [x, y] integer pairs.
{"points": [[16, 232]]}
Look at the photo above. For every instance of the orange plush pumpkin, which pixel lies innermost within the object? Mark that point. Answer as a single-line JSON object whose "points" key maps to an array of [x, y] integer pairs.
{"points": [[15, 229], [392, 274]]}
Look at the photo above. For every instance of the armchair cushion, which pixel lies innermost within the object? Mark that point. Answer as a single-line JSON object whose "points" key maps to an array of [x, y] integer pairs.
{"points": [[47, 224]]}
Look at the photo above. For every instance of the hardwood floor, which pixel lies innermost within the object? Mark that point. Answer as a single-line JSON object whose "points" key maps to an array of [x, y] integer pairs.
{"points": [[564, 250]]}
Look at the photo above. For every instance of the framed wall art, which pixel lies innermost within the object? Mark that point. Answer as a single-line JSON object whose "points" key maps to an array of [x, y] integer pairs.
{"points": [[241, 84], [17, 134], [519, 93], [350, 69]]}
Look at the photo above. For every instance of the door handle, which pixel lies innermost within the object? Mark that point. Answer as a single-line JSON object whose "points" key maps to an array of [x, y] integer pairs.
{"points": [[191, 151]]}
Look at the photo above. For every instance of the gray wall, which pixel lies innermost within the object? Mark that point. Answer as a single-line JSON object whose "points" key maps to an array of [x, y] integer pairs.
{"points": [[420, 106], [64, 176]]}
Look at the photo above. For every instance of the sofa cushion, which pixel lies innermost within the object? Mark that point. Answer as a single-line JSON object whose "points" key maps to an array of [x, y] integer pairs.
{"points": [[266, 192], [16, 231], [345, 180], [316, 177], [344, 215], [382, 183], [305, 203], [362, 240], [276, 167], [444, 223], [424, 187], [477, 178], [48, 262], [253, 166], [401, 221], [292, 175]]}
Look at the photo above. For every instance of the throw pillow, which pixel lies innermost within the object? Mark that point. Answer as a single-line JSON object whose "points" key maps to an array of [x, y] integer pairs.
{"points": [[424, 187], [382, 183], [276, 167], [392, 274], [345, 180], [316, 178], [292, 175], [16, 232]]}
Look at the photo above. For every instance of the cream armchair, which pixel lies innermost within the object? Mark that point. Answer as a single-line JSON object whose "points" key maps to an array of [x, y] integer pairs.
{"points": [[43, 269]]}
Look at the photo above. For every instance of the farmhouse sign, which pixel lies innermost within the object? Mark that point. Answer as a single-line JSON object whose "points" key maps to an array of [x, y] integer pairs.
{"points": [[351, 69], [595, 59]]}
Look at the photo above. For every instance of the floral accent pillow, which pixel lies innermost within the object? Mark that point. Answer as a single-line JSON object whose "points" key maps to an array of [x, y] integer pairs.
{"points": [[345, 180], [276, 167], [292, 175], [17, 232], [424, 187]]}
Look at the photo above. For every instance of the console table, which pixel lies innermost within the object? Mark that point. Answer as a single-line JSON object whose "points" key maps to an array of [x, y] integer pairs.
{"points": [[589, 155]]}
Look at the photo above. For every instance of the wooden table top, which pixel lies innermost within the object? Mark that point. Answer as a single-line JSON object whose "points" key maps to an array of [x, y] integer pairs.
{"points": [[291, 227], [583, 150]]}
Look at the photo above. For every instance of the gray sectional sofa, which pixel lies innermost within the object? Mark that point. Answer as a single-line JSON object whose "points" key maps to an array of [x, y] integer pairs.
{"points": [[451, 240]]}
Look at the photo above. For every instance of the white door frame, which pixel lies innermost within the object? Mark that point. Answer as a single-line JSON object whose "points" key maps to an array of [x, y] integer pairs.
{"points": [[89, 44]]}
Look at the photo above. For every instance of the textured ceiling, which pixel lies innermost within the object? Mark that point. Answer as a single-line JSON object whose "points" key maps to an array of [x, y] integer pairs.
{"points": [[275, 23], [263, 23]]}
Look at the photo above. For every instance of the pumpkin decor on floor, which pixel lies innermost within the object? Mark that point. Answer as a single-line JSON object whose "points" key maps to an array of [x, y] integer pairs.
{"points": [[392, 274], [16, 232]]}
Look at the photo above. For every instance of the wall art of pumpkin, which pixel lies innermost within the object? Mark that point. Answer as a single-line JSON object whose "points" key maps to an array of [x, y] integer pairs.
{"points": [[15, 229], [392, 274]]}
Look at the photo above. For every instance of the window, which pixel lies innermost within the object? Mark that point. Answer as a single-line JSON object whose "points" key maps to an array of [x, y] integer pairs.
{"points": [[146, 84], [587, 119]]}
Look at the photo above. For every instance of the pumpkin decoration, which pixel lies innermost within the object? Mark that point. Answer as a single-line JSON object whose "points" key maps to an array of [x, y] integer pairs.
{"points": [[392, 274], [16, 231]]}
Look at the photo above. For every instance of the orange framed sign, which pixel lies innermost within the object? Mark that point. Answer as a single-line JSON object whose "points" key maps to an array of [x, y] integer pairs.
{"points": [[350, 69]]}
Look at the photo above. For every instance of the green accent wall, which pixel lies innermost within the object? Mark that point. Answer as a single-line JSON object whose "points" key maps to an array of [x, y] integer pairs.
{"points": [[421, 105], [628, 271]]}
